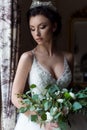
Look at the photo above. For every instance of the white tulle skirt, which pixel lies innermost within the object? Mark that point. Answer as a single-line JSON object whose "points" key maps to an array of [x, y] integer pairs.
{"points": [[24, 123]]}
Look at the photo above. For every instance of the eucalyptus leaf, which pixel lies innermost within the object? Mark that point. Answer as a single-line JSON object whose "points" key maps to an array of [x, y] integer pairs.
{"points": [[63, 125], [81, 95], [32, 108], [57, 116], [44, 116], [35, 97], [53, 88], [26, 101], [52, 111], [77, 106], [34, 118], [22, 109], [47, 105], [83, 102], [40, 111], [33, 86]]}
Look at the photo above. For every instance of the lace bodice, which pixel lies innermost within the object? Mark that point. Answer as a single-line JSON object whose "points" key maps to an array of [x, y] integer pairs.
{"points": [[42, 77]]}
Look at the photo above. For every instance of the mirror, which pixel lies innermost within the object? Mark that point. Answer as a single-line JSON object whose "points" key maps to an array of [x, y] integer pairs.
{"points": [[78, 45]]}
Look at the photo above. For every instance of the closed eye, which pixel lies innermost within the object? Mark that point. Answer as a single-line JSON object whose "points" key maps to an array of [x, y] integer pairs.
{"points": [[42, 26], [32, 29]]}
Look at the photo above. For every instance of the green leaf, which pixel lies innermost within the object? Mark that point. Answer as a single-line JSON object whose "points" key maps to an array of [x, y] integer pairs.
{"points": [[77, 106], [52, 88], [62, 124], [26, 101], [32, 108], [35, 97], [34, 118], [83, 102], [57, 115], [67, 95], [33, 86], [40, 111], [47, 105], [43, 116], [81, 95], [22, 110]]}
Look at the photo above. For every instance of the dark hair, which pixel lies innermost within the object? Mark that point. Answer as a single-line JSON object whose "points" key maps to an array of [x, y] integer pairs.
{"points": [[52, 15]]}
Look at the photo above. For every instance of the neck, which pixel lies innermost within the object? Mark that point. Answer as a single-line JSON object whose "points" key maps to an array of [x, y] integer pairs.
{"points": [[47, 49]]}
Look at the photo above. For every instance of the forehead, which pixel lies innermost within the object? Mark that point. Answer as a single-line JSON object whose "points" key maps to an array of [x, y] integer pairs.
{"points": [[38, 19]]}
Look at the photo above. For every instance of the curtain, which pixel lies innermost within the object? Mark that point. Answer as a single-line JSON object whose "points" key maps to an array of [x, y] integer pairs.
{"points": [[9, 41]]}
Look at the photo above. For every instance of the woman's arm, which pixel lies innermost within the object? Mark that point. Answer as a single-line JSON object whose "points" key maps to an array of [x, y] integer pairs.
{"points": [[22, 72]]}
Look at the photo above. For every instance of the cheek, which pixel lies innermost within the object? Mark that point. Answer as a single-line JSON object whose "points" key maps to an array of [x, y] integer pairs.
{"points": [[33, 35], [49, 32]]}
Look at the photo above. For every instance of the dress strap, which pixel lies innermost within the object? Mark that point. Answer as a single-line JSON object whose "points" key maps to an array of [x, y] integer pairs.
{"points": [[32, 51], [33, 56]]}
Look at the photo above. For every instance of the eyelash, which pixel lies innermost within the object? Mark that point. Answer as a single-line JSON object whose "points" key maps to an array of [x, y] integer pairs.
{"points": [[41, 27], [32, 29]]}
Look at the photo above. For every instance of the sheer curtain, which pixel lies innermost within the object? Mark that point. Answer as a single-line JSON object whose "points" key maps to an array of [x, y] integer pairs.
{"points": [[9, 39]]}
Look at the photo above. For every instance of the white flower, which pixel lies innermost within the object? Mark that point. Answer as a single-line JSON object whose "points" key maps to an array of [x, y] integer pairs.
{"points": [[49, 117], [60, 100], [47, 95], [64, 90], [72, 95], [57, 93], [55, 109], [50, 98], [41, 97]]}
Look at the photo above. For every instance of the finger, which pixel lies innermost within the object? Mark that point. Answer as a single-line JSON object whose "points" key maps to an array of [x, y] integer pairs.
{"points": [[54, 125]]}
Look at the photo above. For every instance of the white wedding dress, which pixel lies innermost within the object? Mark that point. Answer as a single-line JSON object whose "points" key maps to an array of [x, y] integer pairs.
{"points": [[42, 77]]}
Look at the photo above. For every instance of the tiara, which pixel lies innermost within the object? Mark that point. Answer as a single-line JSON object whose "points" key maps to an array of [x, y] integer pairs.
{"points": [[36, 3]]}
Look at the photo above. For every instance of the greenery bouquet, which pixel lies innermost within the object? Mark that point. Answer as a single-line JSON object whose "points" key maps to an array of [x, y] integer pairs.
{"points": [[54, 104]]}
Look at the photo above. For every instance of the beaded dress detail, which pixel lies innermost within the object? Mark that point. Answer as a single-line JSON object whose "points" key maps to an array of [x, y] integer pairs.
{"points": [[42, 77]]}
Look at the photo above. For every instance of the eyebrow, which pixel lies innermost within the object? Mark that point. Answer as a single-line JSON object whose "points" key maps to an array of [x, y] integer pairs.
{"points": [[39, 24]]}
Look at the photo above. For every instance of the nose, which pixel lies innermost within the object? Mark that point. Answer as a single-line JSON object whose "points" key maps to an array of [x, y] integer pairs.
{"points": [[38, 32]]}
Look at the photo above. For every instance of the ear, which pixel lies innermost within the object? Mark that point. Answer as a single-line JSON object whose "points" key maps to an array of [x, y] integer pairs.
{"points": [[54, 27]]}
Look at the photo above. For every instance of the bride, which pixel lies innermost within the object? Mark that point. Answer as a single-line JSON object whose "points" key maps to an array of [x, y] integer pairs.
{"points": [[44, 64]]}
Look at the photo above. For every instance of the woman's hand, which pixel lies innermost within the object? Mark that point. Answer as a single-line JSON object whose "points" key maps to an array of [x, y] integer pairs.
{"points": [[29, 113], [51, 126]]}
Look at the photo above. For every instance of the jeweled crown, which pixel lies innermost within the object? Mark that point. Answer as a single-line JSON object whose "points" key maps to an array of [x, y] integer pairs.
{"points": [[37, 3]]}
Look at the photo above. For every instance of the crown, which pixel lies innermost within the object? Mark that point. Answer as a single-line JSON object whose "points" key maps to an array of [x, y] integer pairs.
{"points": [[36, 3]]}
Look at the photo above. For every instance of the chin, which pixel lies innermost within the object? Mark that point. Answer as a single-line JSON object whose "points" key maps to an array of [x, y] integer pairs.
{"points": [[40, 43]]}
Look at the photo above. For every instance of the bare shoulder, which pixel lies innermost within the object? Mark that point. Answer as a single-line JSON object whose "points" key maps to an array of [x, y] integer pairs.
{"points": [[27, 57], [69, 57]]}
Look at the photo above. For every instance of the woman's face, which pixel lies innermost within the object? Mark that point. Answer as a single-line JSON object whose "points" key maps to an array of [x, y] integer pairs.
{"points": [[41, 29]]}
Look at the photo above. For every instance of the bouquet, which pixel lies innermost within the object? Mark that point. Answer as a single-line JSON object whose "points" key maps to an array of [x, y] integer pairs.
{"points": [[54, 104]]}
